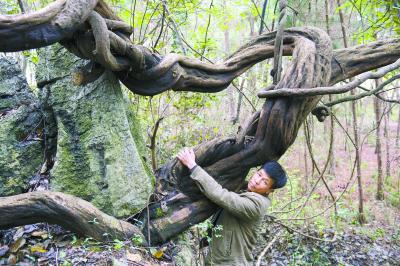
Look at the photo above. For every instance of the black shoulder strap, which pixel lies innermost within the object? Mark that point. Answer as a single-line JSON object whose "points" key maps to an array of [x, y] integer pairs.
{"points": [[215, 217], [204, 241]]}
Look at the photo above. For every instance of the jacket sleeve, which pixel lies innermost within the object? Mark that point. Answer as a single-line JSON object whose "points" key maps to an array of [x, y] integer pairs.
{"points": [[245, 206]]}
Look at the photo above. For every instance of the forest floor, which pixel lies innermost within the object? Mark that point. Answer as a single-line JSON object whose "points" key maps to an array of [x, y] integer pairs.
{"points": [[368, 245], [41, 244]]}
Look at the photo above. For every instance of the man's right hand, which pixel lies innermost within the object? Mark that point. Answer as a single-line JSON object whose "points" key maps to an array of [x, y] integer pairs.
{"points": [[187, 158]]}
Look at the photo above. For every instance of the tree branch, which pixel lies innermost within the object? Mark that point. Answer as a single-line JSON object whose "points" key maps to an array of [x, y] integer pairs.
{"points": [[149, 74], [49, 25], [363, 94], [68, 211], [303, 92]]}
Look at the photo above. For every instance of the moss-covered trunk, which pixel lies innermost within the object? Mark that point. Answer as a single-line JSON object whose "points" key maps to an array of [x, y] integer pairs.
{"points": [[89, 134], [21, 147], [96, 156]]}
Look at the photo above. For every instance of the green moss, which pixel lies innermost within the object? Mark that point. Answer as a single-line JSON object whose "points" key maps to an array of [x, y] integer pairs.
{"points": [[20, 157], [98, 155]]}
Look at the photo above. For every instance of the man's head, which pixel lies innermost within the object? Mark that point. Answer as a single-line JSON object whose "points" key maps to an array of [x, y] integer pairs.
{"points": [[267, 178]]}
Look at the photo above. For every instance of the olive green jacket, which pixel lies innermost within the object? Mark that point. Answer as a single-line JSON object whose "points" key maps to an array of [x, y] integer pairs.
{"points": [[240, 219]]}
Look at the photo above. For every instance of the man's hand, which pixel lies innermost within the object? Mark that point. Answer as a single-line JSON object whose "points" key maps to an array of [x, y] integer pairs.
{"points": [[187, 158]]}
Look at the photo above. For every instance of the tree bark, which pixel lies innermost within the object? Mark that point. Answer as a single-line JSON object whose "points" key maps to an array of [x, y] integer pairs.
{"points": [[68, 211]]}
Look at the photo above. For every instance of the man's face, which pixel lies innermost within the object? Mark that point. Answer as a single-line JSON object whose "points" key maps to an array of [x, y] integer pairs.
{"points": [[260, 182]]}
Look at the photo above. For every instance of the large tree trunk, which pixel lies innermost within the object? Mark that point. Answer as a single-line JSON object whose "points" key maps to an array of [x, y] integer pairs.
{"points": [[96, 156]]}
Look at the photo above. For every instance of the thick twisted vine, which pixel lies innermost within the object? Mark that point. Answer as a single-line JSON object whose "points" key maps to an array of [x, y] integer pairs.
{"points": [[71, 212], [266, 135], [146, 73], [269, 133]]}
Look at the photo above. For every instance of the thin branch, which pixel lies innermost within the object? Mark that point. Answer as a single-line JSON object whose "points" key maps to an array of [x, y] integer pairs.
{"points": [[147, 25], [153, 144], [262, 254], [174, 27], [21, 6], [141, 24], [263, 16], [133, 11], [363, 94], [259, 15], [303, 234], [244, 95], [306, 92], [206, 34], [161, 29], [327, 161], [333, 203]]}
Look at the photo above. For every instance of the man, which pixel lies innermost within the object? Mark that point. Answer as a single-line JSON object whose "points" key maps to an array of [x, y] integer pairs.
{"points": [[241, 214]]}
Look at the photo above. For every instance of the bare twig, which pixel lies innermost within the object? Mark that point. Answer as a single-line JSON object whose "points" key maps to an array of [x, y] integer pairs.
{"points": [[304, 234], [161, 29], [153, 144], [21, 6], [259, 15], [206, 34], [174, 27], [263, 16], [262, 254]]}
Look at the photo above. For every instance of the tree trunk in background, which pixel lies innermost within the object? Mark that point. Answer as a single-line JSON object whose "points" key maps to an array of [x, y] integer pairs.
{"points": [[378, 147], [97, 156], [398, 131], [306, 172], [230, 90], [361, 217], [249, 78], [387, 140], [332, 161], [239, 102]]}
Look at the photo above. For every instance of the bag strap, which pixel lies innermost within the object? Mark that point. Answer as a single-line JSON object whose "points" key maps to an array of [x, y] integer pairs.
{"points": [[215, 217]]}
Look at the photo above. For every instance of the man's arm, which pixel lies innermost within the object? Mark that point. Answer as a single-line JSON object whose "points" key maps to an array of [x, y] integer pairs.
{"points": [[249, 206]]}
